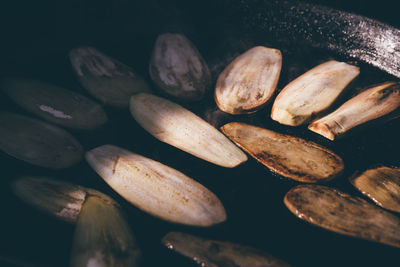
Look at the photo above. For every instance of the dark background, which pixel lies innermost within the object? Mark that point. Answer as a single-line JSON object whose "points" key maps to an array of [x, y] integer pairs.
{"points": [[35, 40], [43, 25]]}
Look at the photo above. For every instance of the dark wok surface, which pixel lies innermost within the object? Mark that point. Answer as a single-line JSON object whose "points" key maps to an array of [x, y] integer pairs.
{"points": [[37, 41]]}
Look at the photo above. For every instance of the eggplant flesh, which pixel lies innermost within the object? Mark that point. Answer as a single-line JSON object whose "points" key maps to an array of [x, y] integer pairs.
{"points": [[249, 81], [60, 199], [177, 126], [55, 104], [156, 188], [107, 79], [37, 142], [381, 185], [339, 212], [289, 156], [312, 93], [102, 237], [369, 105], [177, 68], [213, 253]]}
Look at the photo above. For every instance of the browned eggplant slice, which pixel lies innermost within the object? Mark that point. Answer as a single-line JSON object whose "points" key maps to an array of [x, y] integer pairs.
{"points": [[249, 81], [289, 156], [339, 212], [369, 105], [55, 104], [212, 253], [382, 185], [37, 142]]}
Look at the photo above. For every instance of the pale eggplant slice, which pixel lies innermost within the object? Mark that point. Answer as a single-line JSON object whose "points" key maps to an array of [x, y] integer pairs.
{"points": [[312, 93], [55, 104], [249, 81], [107, 79], [177, 126], [103, 238], [369, 105], [177, 68], [37, 142], [210, 253], [339, 212], [60, 199], [382, 185], [156, 188], [289, 156]]}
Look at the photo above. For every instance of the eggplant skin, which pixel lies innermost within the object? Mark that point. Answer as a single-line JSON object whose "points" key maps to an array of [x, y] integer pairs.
{"points": [[371, 104], [289, 156], [350, 35], [342, 213]]}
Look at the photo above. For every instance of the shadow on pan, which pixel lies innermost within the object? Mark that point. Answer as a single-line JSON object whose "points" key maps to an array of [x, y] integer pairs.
{"points": [[36, 44]]}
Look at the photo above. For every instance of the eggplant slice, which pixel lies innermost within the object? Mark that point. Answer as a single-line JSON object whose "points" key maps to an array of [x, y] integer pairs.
{"points": [[179, 127], [107, 79], [103, 238], [371, 104], [60, 199], [289, 156], [37, 142], [339, 212], [212, 253], [156, 188], [312, 93], [55, 104], [178, 69], [382, 185], [249, 81]]}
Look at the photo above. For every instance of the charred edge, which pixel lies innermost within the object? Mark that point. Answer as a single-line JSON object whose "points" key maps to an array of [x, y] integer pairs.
{"points": [[353, 177], [385, 93]]}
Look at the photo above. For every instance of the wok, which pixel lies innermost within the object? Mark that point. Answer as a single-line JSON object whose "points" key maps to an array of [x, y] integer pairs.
{"points": [[36, 44]]}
